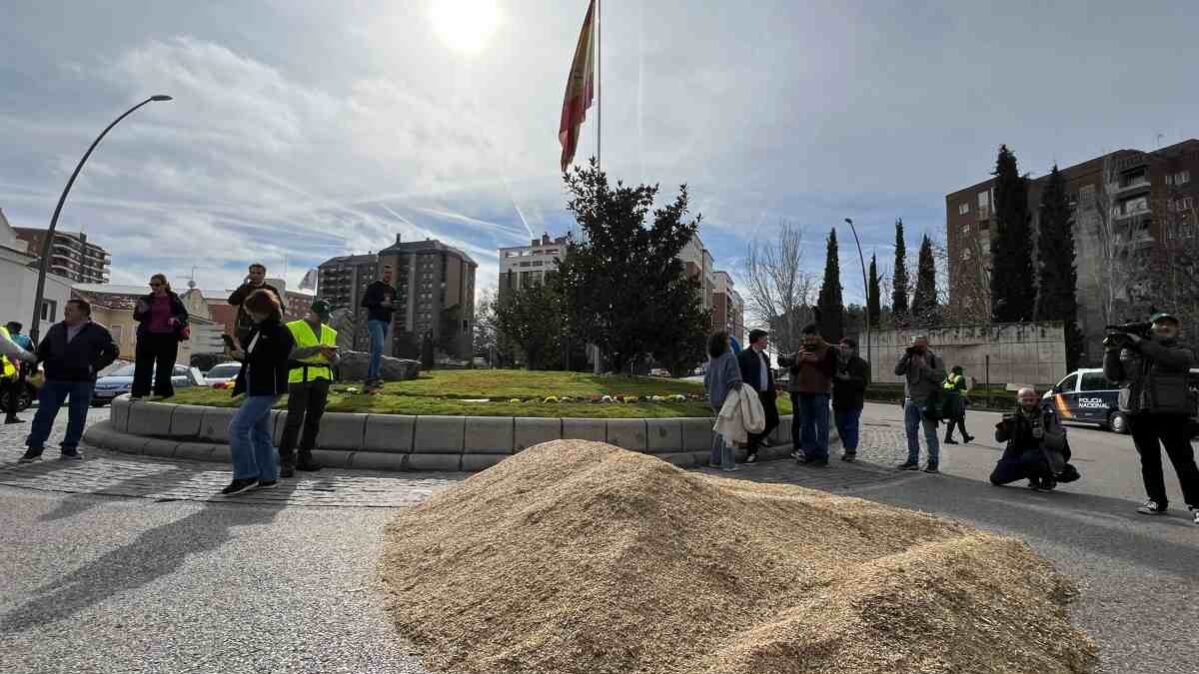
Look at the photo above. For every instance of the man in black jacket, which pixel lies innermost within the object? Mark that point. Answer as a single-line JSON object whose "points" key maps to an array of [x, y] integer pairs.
{"points": [[379, 302], [849, 396], [1154, 395], [1037, 448], [255, 280], [72, 353], [756, 371]]}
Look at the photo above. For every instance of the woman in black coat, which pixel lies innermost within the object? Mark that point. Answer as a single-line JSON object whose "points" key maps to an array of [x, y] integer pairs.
{"points": [[163, 322]]}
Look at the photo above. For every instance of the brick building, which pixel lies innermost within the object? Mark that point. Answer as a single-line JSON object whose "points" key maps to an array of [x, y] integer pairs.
{"points": [[728, 309], [1126, 204], [72, 256]]}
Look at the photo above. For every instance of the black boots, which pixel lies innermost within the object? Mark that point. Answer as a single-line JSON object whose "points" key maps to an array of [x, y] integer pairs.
{"points": [[306, 462], [287, 465]]}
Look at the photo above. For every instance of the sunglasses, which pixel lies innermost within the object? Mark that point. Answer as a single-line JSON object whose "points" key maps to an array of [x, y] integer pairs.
{"points": [[155, 285]]}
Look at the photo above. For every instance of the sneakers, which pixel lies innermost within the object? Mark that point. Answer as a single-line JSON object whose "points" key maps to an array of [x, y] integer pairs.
{"points": [[849, 457], [31, 456], [1034, 483], [968, 439], [14, 420], [797, 455], [72, 456], [752, 458], [287, 469], [731, 469], [908, 465], [949, 441], [1151, 507], [267, 484], [815, 462], [1194, 511], [238, 486], [306, 462], [932, 469]]}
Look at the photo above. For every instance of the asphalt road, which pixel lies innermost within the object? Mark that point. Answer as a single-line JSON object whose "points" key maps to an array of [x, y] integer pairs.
{"points": [[1138, 575]]}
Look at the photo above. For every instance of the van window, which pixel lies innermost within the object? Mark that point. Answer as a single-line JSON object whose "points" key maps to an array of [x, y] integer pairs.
{"points": [[1069, 384], [1095, 381]]}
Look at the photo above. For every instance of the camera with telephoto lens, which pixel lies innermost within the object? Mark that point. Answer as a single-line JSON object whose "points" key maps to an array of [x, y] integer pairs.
{"points": [[1118, 335]]}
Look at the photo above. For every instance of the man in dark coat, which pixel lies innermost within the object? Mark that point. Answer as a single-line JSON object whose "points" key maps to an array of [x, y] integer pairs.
{"points": [[255, 280], [849, 396], [1036, 450], [756, 371]]}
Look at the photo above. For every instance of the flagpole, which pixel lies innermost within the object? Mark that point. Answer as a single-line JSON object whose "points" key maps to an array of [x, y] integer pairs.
{"points": [[599, 78]]}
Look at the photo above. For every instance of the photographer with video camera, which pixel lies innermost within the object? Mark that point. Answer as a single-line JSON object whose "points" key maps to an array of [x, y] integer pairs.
{"points": [[1036, 449], [1151, 368]]}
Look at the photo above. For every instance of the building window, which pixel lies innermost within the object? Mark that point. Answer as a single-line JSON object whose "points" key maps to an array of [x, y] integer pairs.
{"points": [[1181, 178], [1086, 196], [963, 208], [984, 200], [965, 230], [116, 331], [49, 310]]}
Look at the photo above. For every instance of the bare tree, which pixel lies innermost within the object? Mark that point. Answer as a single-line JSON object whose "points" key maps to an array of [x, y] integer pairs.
{"points": [[1171, 273], [966, 295], [777, 290], [1113, 267]]}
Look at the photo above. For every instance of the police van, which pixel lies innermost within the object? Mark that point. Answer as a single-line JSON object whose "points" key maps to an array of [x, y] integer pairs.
{"points": [[1086, 396]]}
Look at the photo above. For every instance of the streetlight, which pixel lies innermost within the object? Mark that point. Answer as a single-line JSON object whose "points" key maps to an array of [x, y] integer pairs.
{"points": [[865, 284], [34, 326]]}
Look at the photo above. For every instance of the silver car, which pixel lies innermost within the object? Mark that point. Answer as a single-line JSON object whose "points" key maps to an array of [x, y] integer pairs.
{"points": [[120, 381]]}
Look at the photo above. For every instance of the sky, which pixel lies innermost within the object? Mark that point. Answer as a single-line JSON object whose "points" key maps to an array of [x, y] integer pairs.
{"points": [[305, 129]]}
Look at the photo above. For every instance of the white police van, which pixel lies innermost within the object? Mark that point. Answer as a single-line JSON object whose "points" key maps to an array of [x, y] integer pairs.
{"points": [[1086, 396]]}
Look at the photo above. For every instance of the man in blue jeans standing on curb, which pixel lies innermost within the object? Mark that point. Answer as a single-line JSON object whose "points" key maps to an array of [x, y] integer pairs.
{"points": [[72, 352], [849, 397], [812, 369], [379, 301], [923, 372]]}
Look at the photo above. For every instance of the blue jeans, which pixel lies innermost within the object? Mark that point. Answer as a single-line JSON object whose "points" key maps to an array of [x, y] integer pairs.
{"points": [[813, 425], [848, 426], [49, 400], [722, 455], [378, 333], [250, 440], [913, 417]]}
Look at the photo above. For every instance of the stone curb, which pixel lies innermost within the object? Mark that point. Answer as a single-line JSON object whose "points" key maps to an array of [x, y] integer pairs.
{"points": [[402, 442]]}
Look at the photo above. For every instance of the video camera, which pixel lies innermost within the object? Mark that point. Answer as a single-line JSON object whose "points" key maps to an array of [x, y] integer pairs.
{"points": [[1118, 335]]}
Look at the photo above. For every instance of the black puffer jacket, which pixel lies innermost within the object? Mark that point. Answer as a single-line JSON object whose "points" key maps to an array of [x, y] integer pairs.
{"points": [[1152, 376], [268, 348]]}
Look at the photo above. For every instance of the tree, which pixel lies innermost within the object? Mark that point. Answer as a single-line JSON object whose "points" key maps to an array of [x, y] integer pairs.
{"points": [[1057, 276], [486, 337], [624, 284], [1013, 285], [899, 277], [874, 309], [531, 320], [832, 311], [924, 300], [778, 290], [1170, 280]]}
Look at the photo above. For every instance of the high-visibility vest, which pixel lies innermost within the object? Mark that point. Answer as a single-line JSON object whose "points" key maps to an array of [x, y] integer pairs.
{"points": [[10, 368], [951, 382], [316, 366]]}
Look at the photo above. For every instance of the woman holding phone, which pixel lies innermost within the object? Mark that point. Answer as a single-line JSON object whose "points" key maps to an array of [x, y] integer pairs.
{"points": [[162, 325], [263, 378]]}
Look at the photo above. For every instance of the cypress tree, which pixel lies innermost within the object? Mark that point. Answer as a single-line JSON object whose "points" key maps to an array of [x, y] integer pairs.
{"points": [[924, 300], [899, 278], [1013, 285], [1057, 276], [874, 310], [832, 312]]}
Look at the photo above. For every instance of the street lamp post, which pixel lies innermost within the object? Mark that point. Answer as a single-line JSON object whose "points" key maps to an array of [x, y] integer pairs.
{"points": [[35, 324], [865, 285]]}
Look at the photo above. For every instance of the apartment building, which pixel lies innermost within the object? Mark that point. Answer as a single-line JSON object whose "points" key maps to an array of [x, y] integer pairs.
{"points": [[728, 309], [343, 279], [72, 256], [1125, 203], [521, 266], [435, 297]]}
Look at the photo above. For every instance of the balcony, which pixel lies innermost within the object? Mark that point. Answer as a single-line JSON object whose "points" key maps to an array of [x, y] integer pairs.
{"points": [[1140, 183], [984, 212]]}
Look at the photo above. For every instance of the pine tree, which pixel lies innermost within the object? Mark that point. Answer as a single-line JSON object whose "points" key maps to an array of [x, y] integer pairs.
{"points": [[832, 311], [874, 310], [1013, 286], [1057, 276], [899, 278], [924, 300]]}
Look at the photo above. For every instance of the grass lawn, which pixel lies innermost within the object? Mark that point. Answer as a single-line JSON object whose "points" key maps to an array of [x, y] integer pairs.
{"points": [[459, 392]]}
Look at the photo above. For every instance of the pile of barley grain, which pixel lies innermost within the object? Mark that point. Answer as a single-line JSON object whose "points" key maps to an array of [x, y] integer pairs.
{"points": [[581, 557]]}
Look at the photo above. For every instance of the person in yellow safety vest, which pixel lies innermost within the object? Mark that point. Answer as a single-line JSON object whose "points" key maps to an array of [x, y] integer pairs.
{"points": [[312, 362], [955, 405], [12, 370]]}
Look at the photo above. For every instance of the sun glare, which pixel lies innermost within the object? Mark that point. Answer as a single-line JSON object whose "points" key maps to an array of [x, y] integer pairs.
{"points": [[465, 25]]}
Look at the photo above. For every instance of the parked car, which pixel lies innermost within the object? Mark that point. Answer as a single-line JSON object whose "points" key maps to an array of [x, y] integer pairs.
{"points": [[223, 375], [120, 381], [659, 372], [1086, 396]]}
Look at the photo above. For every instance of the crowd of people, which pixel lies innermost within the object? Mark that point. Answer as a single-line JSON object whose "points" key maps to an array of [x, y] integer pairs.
{"points": [[1151, 372]]}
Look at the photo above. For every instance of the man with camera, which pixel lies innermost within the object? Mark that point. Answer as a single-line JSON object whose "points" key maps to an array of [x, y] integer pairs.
{"points": [[255, 280], [923, 372], [755, 371], [1151, 367], [812, 370], [1036, 449]]}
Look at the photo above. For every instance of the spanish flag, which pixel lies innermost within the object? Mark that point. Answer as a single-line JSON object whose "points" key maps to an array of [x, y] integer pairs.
{"points": [[580, 90]]}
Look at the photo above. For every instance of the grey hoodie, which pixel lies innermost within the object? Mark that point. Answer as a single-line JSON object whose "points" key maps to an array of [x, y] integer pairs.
{"points": [[921, 382]]}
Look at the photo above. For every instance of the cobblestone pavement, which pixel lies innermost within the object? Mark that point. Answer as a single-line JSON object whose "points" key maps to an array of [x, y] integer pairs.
{"points": [[115, 474]]}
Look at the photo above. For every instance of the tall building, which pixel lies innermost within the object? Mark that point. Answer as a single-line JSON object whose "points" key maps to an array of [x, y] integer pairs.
{"points": [[728, 309], [1127, 202], [435, 297], [521, 266], [343, 279], [72, 256]]}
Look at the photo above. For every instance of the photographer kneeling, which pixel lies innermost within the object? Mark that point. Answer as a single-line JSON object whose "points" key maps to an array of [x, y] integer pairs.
{"points": [[1036, 446], [1152, 374]]}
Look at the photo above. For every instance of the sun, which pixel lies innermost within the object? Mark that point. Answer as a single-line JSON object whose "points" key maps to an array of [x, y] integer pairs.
{"points": [[464, 25]]}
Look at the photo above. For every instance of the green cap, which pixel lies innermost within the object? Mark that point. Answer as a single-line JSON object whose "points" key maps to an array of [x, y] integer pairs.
{"points": [[320, 308], [1163, 316]]}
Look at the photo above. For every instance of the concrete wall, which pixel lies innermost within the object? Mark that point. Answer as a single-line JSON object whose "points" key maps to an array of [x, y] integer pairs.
{"points": [[1020, 353]]}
